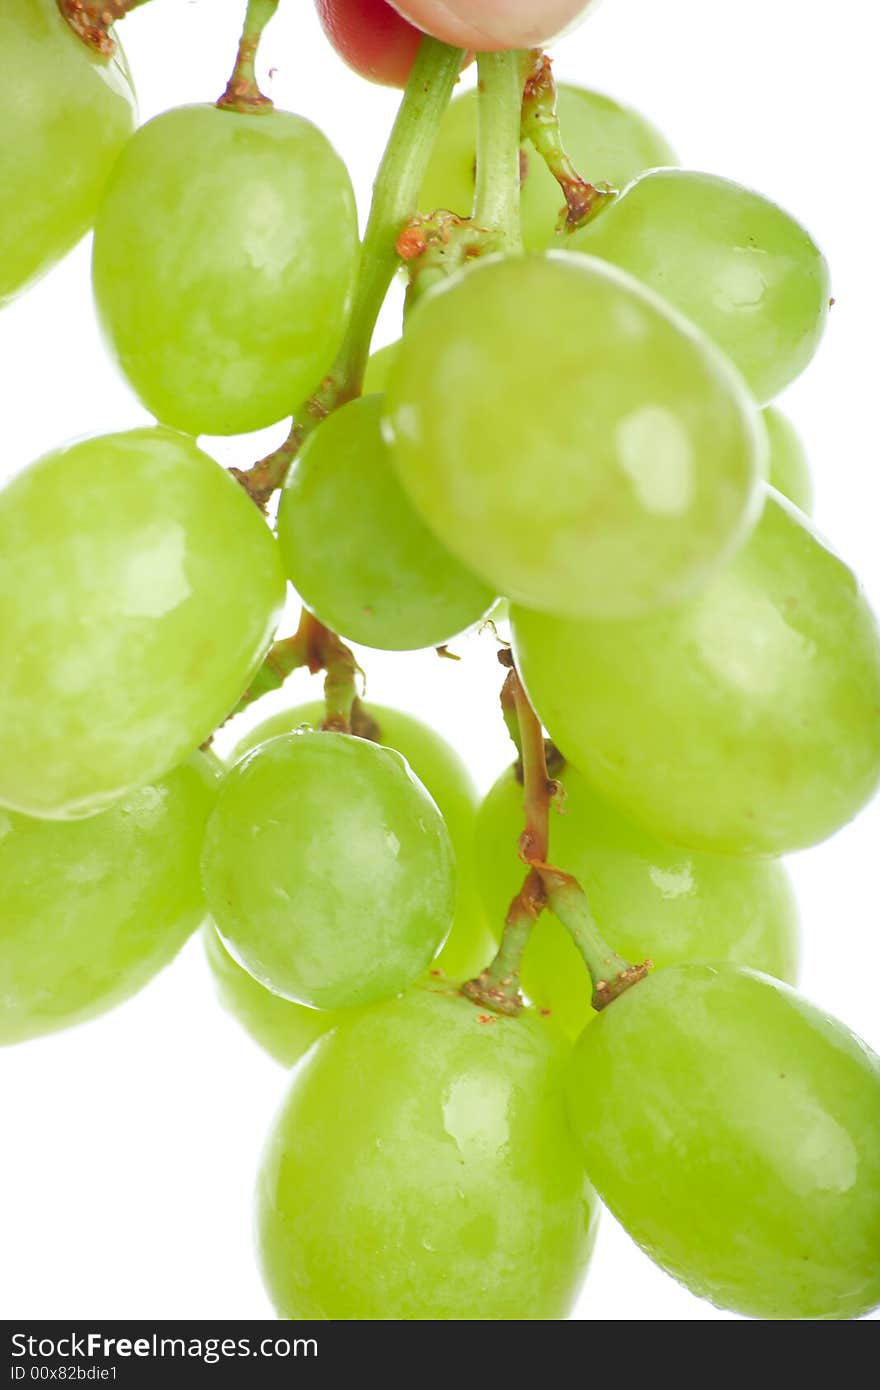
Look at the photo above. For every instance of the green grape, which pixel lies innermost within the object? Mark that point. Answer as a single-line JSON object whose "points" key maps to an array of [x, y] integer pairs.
{"points": [[287, 1030], [422, 1169], [224, 257], [283, 1029], [92, 909], [140, 589], [743, 721], [748, 274], [328, 869], [789, 471], [651, 900], [599, 472], [67, 114], [607, 142], [358, 554], [378, 369], [469, 945], [734, 1130]]}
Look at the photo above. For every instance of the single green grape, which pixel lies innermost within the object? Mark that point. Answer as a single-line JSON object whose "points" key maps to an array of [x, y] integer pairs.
{"points": [[652, 900], [737, 265], [328, 869], [378, 369], [734, 1129], [597, 457], [743, 721], [607, 142], [789, 471], [470, 945], [140, 589], [92, 909], [287, 1030], [422, 1168], [225, 251], [282, 1028], [68, 111], [357, 553]]}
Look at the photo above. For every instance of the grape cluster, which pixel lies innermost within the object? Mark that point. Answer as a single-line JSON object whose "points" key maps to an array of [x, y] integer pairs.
{"points": [[576, 420]]}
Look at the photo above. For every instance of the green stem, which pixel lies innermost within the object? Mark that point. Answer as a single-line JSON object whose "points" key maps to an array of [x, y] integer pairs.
{"points": [[242, 90], [610, 973], [540, 125], [314, 646], [395, 197], [92, 20], [499, 116]]}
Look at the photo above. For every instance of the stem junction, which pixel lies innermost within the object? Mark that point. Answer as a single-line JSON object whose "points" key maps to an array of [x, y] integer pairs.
{"points": [[92, 20], [242, 90]]}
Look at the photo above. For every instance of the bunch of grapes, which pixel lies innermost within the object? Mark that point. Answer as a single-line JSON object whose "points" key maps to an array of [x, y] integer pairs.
{"points": [[498, 1016]]}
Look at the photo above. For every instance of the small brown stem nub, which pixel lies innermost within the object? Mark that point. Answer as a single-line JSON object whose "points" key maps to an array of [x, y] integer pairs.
{"points": [[540, 125], [92, 20]]}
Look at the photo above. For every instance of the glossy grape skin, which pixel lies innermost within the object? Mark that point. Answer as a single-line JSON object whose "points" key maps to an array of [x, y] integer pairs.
{"points": [[372, 38], [734, 1129], [745, 271], [92, 909], [605, 472], [743, 721], [789, 471], [67, 114], [652, 900], [286, 1030], [421, 1168], [469, 945], [224, 257], [140, 589], [607, 143], [358, 555], [328, 870], [379, 368]]}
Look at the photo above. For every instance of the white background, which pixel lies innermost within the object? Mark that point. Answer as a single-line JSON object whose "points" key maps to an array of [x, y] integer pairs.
{"points": [[129, 1146]]}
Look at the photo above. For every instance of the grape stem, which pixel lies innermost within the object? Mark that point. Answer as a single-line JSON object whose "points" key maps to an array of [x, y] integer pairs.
{"points": [[315, 647], [497, 987], [610, 973], [92, 20], [540, 125], [499, 117], [395, 199], [242, 90]]}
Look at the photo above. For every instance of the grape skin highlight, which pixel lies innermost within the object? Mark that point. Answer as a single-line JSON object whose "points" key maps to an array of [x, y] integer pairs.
{"points": [[421, 1168], [742, 721], [225, 251], [140, 590], [789, 471], [328, 870], [67, 114], [653, 901], [745, 271], [600, 472], [734, 1129], [92, 909]]}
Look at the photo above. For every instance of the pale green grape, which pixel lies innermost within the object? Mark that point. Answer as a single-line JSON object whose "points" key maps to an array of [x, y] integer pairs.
{"points": [[734, 1130], [742, 721], [357, 553], [67, 112], [225, 251], [286, 1029], [652, 900], [92, 909], [601, 462], [140, 588], [328, 869], [378, 368], [421, 1168], [789, 471], [607, 142], [735, 263]]}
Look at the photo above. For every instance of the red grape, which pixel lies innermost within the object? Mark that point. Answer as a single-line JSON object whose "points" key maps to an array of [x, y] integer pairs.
{"points": [[371, 37]]}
